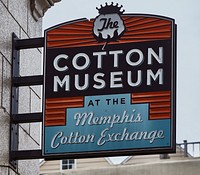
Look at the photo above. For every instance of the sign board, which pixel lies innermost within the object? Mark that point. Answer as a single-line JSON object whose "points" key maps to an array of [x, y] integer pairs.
{"points": [[110, 85]]}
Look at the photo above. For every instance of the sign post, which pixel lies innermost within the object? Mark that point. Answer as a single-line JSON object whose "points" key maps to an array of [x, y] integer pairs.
{"points": [[109, 85]]}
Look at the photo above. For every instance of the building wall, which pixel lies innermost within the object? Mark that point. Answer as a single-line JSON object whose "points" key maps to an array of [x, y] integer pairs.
{"points": [[19, 16], [144, 159], [90, 163], [164, 167], [169, 164], [50, 166]]}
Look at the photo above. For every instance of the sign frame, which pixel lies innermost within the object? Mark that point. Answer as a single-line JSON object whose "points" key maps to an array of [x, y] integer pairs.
{"points": [[123, 152]]}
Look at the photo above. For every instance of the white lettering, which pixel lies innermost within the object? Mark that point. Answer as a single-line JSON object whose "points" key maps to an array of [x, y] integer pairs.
{"points": [[57, 59], [102, 83], [99, 58], [139, 79], [77, 57], [151, 75], [151, 53], [131, 53], [116, 58], [64, 82], [116, 82]]}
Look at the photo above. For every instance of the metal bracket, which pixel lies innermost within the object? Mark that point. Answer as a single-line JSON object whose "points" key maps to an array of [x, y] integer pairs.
{"points": [[16, 118]]}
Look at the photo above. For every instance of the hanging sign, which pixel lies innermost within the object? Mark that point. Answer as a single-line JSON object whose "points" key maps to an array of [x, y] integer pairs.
{"points": [[110, 85]]}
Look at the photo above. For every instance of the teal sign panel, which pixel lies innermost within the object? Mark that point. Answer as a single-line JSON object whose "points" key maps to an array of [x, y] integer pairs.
{"points": [[106, 123]]}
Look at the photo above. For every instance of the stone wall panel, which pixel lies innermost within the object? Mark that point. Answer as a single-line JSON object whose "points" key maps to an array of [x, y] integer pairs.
{"points": [[30, 59], [16, 17], [19, 10], [36, 106], [1, 76], [4, 135], [5, 2], [6, 85], [25, 105], [9, 25], [27, 167]]}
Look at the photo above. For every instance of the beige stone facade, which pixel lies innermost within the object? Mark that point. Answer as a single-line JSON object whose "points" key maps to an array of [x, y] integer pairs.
{"points": [[17, 16], [173, 164]]}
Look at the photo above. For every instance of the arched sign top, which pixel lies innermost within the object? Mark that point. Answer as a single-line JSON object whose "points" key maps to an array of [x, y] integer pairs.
{"points": [[139, 27]]}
